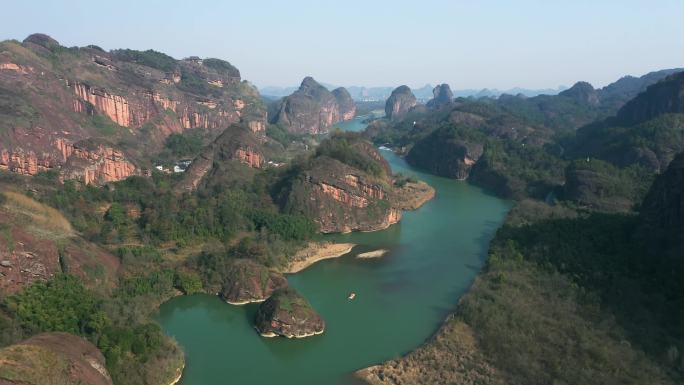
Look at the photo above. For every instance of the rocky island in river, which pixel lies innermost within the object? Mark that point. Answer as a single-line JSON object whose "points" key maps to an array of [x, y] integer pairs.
{"points": [[286, 313]]}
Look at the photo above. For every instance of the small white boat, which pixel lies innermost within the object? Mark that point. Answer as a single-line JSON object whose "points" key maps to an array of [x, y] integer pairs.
{"points": [[352, 296]]}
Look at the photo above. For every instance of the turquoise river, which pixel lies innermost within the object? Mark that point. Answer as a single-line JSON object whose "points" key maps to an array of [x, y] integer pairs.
{"points": [[401, 298]]}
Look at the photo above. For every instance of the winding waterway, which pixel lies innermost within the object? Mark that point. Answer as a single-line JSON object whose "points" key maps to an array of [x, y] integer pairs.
{"points": [[401, 298]]}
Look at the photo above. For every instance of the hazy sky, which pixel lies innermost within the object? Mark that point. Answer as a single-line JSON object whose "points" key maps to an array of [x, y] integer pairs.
{"points": [[469, 44]]}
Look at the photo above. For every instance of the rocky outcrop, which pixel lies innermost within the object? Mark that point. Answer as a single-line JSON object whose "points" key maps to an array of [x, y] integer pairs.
{"points": [[312, 109], [113, 106], [345, 187], [582, 92], [345, 102], [399, 103], [93, 163], [444, 154], [288, 314], [84, 161], [53, 358], [26, 260], [247, 281], [442, 96], [236, 146], [50, 93]]}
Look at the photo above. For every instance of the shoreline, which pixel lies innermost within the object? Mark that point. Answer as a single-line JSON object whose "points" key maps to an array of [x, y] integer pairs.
{"points": [[413, 195], [243, 302], [273, 335], [178, 376], [316, 252], [373, 254]]}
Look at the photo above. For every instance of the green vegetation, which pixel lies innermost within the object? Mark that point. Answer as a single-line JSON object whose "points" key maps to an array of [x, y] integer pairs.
{"points": [[400, 180], [15, 111], [64, 304], [186, 145], [194, 82], [104, 125], [280, 135], [288, 226], [148, 58], [602, 186], [344, 146], [221, 66], [601, 255]]}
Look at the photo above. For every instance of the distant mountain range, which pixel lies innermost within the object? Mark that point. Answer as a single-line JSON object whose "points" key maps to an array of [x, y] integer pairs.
{"points": [[423, 94]]}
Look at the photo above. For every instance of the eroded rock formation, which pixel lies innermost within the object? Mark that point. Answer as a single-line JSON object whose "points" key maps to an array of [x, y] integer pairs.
{"points": [[442, 96], [399, 103], [344, 193], [132, 98], [288, 314], [312, 109], [345, 102]]}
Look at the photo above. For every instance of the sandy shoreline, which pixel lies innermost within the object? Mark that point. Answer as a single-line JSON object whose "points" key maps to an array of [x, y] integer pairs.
{"points": [[315, 252], [243, 302], [273, 335], [373, 254], [179, 375]]}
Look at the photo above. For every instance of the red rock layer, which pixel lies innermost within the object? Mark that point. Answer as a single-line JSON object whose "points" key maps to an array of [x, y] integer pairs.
{"points": [[249, 157]]}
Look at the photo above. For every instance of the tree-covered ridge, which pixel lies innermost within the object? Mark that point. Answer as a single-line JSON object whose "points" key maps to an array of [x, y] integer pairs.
{"points": [[509, 146], [578, 287], [149, 58], [351, 149], [136, 352]]}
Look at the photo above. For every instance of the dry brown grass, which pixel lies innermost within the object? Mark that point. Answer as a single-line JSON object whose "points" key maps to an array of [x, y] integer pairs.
{"points": [[39, 218]]}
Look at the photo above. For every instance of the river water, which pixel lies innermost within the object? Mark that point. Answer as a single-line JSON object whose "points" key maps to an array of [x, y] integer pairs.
{"points": [[401, 298]]}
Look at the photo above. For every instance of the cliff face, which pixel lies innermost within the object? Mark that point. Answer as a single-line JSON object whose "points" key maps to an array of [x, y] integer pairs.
{"points": [[399, 103], [343, 197], [237, 146], [345, 103], [442, 96], [288, 314], [313, 109], [52, 97], [53, 358]]}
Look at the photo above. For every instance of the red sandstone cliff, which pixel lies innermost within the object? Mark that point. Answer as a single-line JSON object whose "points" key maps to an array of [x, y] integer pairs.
{"points": [[343, 197], [51, 96], [313, 109]]}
